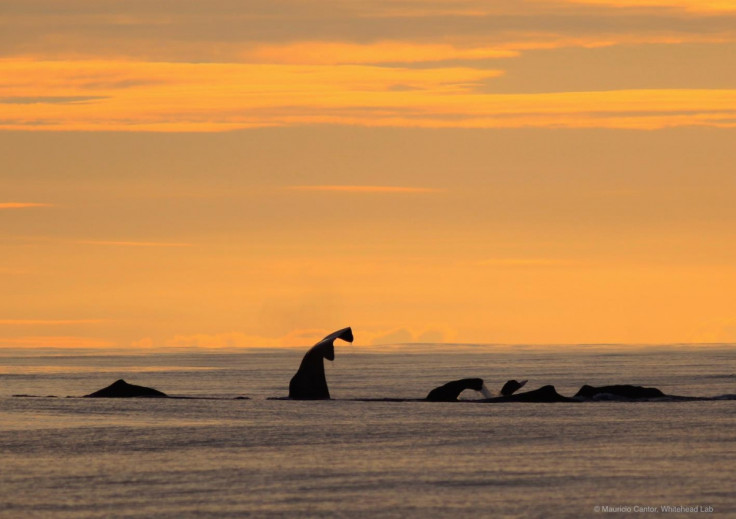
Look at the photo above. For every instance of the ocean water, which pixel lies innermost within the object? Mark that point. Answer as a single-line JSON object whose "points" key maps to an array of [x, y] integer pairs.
{"points": [[226, 457]]}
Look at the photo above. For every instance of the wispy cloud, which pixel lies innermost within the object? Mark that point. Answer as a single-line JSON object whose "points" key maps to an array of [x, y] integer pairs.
{"points": [[215, 341], [300, 338], [295, 338], [335, 53], [107, 243], [132, 243], [221, 97], [404, 336], [55, 342], [527, 263], [24, 100], [413, 30], [50, 322], [378, 64], [22, 205], [367, 189], [698, 6]]}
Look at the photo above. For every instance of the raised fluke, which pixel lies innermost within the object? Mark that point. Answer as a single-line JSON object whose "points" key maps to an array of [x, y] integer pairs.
{"points": [[511, 387], [450, 391], [121, 389], [309, 382]]}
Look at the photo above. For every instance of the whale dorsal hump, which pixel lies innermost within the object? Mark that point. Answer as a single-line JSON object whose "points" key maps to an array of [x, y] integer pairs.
{"points": [[121, 389]]}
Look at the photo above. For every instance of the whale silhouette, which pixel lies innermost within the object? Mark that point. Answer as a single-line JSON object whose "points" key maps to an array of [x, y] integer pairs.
{"points": [[511, 387], [618, 390], [309, 382], [121, 389], [450, 391], [546, 393]]}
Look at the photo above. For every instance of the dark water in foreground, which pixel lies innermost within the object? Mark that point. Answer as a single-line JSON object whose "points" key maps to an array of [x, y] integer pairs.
{"points": [[82, 458]]}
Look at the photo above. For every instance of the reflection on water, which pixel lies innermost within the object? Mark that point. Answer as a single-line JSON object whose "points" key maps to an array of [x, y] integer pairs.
{"points": [[20, 369], [89, 458]]}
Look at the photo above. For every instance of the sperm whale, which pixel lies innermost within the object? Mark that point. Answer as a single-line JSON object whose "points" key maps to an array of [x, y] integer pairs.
{"points": [[121, 389], [309, 382], [450, 391]]}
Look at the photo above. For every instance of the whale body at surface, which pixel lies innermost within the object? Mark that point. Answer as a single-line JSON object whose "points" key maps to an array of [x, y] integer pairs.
{"points": [[309, 382], [121, 389], [546, 393], [450, 391], [618, 391]]}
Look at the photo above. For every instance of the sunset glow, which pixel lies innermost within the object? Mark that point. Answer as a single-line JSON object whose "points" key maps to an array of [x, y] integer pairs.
{"points": [[224, 174], [145, 96], [21, 205]]}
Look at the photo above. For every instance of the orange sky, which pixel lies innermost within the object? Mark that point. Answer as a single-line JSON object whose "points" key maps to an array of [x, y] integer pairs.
{"points": [[224, 173]]}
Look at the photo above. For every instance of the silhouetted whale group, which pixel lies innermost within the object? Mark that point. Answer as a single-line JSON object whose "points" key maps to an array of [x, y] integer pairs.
{"points": [[310, 383], [449, 392]]}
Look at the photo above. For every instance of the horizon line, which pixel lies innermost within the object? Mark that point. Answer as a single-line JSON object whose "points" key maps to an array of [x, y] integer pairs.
{"points": [[413, 345]]}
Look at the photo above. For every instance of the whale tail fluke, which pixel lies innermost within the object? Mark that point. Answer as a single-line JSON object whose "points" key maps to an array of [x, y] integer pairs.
{"points": [[511, 387], [346, 334], [309, 382]]}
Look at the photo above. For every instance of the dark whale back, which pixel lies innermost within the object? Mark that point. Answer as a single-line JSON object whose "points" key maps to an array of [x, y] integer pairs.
{"points": [[619, 390], [543, 394], [546, 393], [450, 391], [309, 382], [121, 389]]}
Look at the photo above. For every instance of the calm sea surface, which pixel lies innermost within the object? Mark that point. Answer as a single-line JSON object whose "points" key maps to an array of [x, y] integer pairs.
{"points": [[102, 458]]}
